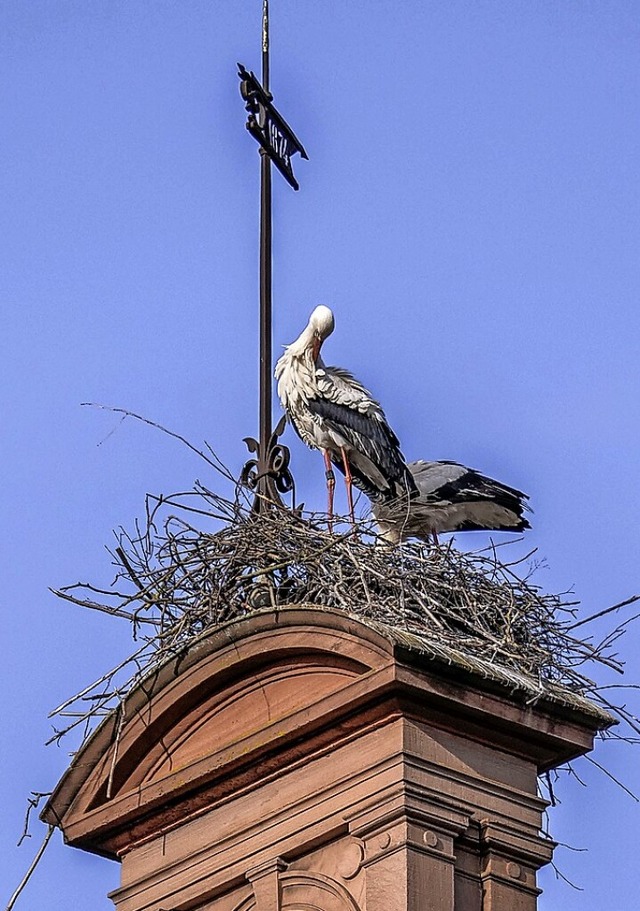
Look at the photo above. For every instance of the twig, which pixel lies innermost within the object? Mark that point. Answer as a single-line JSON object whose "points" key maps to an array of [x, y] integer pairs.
{"points": [[613, 778], [31, 869], [602, 613], [215, 463], [32, 804]]}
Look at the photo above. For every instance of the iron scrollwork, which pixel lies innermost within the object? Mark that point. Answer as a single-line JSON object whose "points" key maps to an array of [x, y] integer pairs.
{"points": [[268, 474]]}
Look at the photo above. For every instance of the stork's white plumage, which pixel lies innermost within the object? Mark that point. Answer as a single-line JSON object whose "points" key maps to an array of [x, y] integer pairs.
{"points": [[333, 412], [451, 497]]}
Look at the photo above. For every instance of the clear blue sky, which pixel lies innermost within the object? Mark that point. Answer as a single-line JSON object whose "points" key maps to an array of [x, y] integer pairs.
{"points": [[470, 210]]}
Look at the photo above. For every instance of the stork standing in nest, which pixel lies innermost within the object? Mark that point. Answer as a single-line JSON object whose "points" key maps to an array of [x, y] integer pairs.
{"points": [[451, 497], [331, 411]]}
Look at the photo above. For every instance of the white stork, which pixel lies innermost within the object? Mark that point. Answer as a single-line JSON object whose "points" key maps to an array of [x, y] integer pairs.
{"points": [[451, 497], [331, 411]]}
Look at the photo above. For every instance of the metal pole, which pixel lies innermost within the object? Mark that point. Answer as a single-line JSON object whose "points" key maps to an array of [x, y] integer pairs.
{"points": [[268, 474], [265, 45], [265, 275]]}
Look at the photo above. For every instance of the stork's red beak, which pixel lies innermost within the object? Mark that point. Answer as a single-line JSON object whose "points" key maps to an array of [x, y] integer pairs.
{"points": [[315, 349]]}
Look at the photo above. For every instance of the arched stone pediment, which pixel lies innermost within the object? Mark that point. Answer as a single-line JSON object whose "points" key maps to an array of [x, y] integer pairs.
{"points": [[243, 691], [232, 713]]}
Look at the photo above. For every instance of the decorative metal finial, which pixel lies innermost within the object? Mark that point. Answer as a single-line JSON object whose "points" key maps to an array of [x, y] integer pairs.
{"points": [[267, 474]]}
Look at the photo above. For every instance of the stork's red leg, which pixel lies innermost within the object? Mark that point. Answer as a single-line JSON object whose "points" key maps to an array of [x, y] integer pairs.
{"points": [[331, 483], [348, 481], [435, 538]]}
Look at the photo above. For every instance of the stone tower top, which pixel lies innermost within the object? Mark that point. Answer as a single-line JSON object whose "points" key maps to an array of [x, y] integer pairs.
{"points": [[306, 758]]}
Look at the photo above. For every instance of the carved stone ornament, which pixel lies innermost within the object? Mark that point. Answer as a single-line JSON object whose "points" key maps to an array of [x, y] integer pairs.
{"points": [[278, 889]]}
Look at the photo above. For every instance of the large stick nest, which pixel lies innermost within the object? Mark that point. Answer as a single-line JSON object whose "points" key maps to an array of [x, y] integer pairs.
{"points": [[175, 580]]}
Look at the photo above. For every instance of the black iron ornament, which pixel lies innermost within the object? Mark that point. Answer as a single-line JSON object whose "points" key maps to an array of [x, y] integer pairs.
{"points": [[277, 477], [267, 474], [269, 127]]}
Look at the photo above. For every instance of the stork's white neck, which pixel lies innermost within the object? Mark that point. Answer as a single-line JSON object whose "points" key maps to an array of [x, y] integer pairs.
{"points": [[303, 343]]}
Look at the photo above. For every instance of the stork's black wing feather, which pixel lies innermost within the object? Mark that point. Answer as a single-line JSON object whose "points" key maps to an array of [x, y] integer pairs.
{"points": [[452, 497], [387, 474], [471, 484]]}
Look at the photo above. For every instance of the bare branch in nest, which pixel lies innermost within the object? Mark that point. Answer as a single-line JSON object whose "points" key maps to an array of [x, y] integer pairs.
{"points": [[608, 610], [214, 462]]}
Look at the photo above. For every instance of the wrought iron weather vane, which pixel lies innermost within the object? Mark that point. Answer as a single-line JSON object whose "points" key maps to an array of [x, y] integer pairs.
{"points": [[268, 473]]}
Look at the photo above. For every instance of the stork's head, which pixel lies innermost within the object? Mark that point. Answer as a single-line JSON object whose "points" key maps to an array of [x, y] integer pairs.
{"points": [[310, 341], [320, 326]]}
